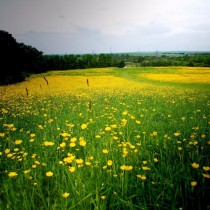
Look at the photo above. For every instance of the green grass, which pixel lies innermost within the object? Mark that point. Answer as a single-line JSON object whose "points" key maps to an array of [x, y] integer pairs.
{"points": [[158, 135]]}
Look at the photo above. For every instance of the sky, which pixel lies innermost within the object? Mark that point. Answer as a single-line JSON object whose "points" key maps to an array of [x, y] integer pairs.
{"points": [[108, 26]]}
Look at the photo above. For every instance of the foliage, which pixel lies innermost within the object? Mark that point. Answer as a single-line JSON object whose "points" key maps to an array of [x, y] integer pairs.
{"points": [[180, 59], [17, 59], [65, 62]]}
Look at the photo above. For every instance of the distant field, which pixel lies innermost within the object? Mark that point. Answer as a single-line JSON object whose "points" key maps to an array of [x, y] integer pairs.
{"points": [[73, 80], [110, 138]]}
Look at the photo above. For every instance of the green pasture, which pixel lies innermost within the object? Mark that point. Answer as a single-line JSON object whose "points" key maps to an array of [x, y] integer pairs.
{"points": [[146, 148]]}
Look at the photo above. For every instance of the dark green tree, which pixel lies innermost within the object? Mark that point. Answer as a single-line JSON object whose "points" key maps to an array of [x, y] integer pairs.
{"points": [[17, 60]]}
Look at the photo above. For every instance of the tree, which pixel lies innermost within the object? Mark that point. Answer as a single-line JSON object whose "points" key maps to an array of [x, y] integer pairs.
{"points": [[17, 60], [8, 61]]}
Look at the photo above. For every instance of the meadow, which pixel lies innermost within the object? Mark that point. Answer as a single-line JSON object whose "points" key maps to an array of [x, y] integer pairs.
{"points": [[109, 138]]}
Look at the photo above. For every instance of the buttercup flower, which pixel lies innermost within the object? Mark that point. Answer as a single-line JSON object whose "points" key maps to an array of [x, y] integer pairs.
{"points": [[72, 169], [49, 173], [206, 168], [193, 184], [48, 143], [83, 126], [103, 197], [66, 195], [107, 128], [12, 174], [105, 151], [109, 162], [195, 165]]}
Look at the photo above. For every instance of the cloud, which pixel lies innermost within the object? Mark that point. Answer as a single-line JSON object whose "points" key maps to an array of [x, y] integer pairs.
{"points": [[61, 17], [82, 40], [153, 29], [74, 26]]}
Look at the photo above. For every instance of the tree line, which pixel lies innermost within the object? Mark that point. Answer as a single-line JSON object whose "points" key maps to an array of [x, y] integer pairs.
{"points": [[18, 61], [64, 62], [178, 59]]}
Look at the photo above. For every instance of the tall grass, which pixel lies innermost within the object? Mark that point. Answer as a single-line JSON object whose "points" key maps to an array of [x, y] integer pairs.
{"points": [[123, 148]]}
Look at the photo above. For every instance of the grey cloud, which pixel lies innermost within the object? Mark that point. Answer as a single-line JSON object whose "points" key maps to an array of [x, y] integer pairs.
{"points": [[83, 40], [200, 27], [61, 17], [152, 29]]}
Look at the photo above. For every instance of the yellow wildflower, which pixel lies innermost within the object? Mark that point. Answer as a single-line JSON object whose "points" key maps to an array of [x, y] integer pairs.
{"points": [[37, 162], [64, 135], [12, 174], [63, 144], [9, 155], [193, 183], [123, 122], [206, 168], [49, 173], [145, 168], [25, 154], [143, 177], [107, 128], [33, 166], [98, 136], [83, 126], [40, 127], [125, 112], [154, 133], [7, 151], [79, 161], [69, 159], [177, 134], [66, 195], [195, 165], [87, 163], [129, 168], [2, 134], [206, 176], [33, 156], [32, 135], [123, 167], [26, 171], [72, 169], [103, 197], [113, 126], [73, 139], [48, 143], [82, 142], [105, 151], [91, 158], [109, 162], [126, 168], [72, 144]]}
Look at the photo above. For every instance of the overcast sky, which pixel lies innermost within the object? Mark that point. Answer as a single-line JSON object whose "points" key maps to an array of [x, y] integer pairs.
{"points": [[104, 26]]}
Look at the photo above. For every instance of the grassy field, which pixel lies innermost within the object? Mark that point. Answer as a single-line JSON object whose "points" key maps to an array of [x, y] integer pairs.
{"points": [[133, 138]]}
